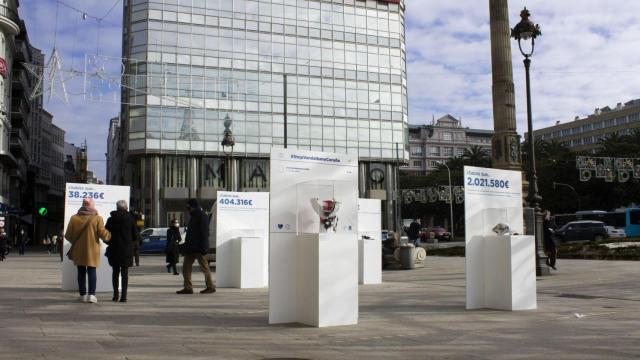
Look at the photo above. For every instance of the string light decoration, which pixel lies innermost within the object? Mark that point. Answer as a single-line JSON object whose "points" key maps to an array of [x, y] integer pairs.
{"points": [[608, 168], [433, 194]]}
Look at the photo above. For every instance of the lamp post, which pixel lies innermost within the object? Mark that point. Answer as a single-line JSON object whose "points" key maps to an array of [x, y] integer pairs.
{"points": [[570, 187], [524, 31], [227, 148], [450, 197]]}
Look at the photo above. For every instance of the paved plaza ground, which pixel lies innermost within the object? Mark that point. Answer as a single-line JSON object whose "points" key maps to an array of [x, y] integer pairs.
{"points": [[586, 310]]}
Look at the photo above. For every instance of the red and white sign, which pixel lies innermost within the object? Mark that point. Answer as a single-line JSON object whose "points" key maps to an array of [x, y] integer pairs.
{"points": [[4, 71]]}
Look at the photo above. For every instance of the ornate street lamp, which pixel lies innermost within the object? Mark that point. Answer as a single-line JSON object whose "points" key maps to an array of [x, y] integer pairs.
{"points": [[227, 147], [227, 140], [524, 31]]}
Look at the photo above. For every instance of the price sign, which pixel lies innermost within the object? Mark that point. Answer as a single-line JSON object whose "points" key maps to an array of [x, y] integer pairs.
{"points": [[487, 182], [235, 201], [85, 194]]}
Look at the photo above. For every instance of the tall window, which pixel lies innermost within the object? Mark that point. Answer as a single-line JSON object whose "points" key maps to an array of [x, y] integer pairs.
{"points": [[417, 163], [459, 152], [212, 173], [416, 150], [448, 151], [254, 173], [174, 171], [434, 151], [447, 136]]}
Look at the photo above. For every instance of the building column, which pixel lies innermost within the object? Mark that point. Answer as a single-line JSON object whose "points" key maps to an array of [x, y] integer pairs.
{"points": [[505, 141], [233, 174], [193, 177], [363, 176], [391, 212], [155, 192]]}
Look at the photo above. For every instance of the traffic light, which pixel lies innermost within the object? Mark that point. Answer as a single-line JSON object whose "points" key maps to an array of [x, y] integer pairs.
{"points": [[42, 211]]}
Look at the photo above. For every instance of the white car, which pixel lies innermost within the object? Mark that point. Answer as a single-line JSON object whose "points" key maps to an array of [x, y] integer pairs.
{"points": [[615, 232]]}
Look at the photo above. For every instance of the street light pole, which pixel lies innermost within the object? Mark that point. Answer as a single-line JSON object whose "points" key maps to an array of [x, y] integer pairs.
{"points": [[526, 30], [450, 198], [227, 147], [570, 187], [285, 113]]}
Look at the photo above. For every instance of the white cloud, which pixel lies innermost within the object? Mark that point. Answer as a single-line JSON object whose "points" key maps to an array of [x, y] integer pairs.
{"points": [[586, 58]]}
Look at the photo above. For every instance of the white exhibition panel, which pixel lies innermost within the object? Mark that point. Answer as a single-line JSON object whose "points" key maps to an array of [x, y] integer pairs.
{"points": [[509, 269], [105, 198], [492, 196], [313, 274], [242, 230], [369, 250], [250, 262]]}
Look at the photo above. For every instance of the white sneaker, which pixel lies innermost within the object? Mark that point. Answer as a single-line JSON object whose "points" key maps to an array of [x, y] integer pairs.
{"points": [[93, 299], [83, 298]]}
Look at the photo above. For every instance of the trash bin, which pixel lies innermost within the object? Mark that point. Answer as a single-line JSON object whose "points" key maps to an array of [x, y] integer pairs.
{"points": [[408, 257]]}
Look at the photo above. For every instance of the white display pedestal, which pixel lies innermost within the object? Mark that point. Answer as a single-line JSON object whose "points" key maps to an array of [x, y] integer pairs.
{"points": [[327, 284], [369, 260], [70, 271], [369, 250], [248, 265], [504, 272]]}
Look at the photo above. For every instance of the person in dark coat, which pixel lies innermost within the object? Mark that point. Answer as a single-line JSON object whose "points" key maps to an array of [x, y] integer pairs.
{"points": [[3, 244], [171, 249], [120, 250], [549, 242], [413, 233], [196, 247]]}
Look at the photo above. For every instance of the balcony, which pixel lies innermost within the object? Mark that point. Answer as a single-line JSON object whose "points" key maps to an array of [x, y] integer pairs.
{"points": [[19, 111], [23, 52], [9, 20], [19, 143], [20, 82]]}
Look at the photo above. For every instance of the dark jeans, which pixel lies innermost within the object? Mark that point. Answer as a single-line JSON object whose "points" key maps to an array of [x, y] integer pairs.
{"points": [[115, 276], [83, 271]]}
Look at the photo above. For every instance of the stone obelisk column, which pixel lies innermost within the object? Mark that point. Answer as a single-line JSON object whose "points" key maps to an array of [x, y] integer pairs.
{"points": [[505, 141]]}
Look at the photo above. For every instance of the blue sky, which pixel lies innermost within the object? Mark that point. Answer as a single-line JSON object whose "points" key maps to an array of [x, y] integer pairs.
{"points": [[586, 58]]}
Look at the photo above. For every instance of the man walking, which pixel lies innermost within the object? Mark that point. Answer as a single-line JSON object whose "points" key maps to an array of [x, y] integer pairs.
{"points": [[196, 247]]}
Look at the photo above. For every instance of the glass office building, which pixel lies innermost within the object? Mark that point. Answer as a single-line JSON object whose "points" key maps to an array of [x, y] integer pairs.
{"points": [[192, 64]]}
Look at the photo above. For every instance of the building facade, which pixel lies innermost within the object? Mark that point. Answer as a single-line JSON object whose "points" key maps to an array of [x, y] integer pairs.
{"points": [[75, 163], [9, 28], [584, 134], [445, 138], [335, 70], [114, 153]]}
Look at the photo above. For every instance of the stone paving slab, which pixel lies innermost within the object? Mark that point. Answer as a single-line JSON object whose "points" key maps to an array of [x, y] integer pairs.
{"points": [[587, 310]]}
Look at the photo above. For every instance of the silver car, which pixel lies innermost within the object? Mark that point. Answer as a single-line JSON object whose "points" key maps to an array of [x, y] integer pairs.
{"points": [[615, 232]]}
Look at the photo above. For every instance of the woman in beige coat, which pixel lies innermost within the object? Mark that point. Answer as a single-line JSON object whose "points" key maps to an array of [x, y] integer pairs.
{"points": [[83, 232]]}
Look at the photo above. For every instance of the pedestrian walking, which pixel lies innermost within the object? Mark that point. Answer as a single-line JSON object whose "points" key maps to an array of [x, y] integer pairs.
{"points": [[22, 241], [124, 234], [3, 244], [550, 247], [172, 248], [60, 243], [196, 247], [413, 233], [84, 231], [136, 247]]}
